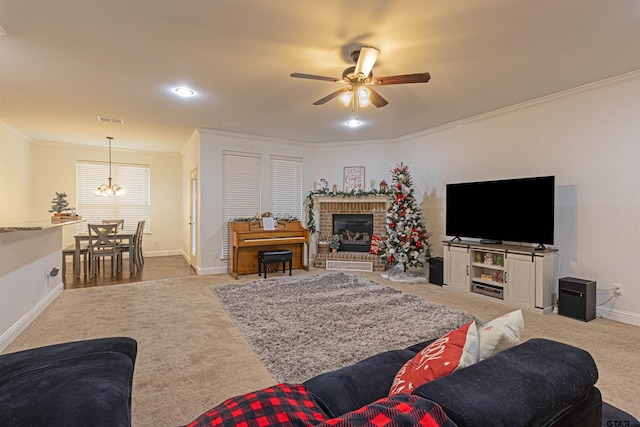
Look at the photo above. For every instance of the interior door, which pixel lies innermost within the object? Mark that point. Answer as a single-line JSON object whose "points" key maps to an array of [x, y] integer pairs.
{"points": [[193, 219]]}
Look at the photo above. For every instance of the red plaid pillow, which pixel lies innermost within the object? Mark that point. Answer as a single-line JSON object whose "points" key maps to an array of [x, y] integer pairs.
{"points": [[399, 410], [282, 405]]}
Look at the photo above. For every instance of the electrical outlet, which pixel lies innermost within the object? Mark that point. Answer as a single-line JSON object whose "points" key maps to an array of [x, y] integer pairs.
{"points": [[216, 255], [617, 289]]}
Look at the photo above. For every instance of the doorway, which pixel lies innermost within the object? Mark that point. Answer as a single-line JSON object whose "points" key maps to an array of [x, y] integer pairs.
{"points": [[193, 218]]}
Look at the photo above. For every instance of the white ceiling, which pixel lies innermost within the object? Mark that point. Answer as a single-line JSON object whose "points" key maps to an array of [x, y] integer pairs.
{"points": [[63, 62]]}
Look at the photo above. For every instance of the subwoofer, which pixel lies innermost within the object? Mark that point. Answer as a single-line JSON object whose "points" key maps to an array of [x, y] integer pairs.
{"points": [[436, 270], [577, 298]]}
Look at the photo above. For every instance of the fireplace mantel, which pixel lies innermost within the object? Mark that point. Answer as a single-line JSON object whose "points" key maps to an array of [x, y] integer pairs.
{"points": [[352, 199]]}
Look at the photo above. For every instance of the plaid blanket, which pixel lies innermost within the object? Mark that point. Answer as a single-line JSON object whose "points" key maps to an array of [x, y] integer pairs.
{"points": [[397, 410], [293, 405]]}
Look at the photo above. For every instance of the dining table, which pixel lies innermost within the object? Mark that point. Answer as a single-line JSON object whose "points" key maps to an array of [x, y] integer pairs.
{"points": [[123, 235]]}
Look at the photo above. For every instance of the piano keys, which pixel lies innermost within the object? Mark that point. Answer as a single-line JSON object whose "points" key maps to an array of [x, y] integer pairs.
{"points": [[247, 238]]}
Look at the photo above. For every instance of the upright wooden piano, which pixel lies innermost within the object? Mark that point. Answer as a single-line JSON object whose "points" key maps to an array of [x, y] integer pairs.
{"points": [[247, 238]]}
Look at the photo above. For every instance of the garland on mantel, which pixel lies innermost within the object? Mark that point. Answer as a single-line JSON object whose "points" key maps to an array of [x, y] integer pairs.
{"points": [[258, 218], [311, 222]]}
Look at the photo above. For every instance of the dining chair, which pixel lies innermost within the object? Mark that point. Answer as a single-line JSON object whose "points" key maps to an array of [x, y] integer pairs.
{"points": [[120, 222], [132, 246], [103, 242], [137, 245]]}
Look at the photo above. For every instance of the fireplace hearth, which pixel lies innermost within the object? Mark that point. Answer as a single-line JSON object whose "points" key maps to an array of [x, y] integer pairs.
{"points": [[355, 231]]}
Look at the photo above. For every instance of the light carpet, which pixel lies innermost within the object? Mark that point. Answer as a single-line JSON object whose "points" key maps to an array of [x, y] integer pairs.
{"points": [[303, 326]]}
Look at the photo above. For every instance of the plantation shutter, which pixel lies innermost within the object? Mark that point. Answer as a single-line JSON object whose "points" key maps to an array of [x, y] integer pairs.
{"points": [[286, 186], [240, 190], [133, 206]]}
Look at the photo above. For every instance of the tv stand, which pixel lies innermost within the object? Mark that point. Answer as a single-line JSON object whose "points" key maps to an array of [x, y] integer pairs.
{"points": [[540, 247], [524, 277], [456, 239]]}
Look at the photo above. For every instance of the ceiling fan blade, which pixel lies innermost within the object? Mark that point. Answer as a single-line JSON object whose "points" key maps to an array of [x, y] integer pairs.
{"points": [[314, 77], [376, 98], [402, 79], [330, 96], [367, 58]]}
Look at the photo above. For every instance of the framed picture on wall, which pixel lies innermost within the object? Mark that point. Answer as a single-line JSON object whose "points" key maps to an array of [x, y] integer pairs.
{"points": [[353, 178]]}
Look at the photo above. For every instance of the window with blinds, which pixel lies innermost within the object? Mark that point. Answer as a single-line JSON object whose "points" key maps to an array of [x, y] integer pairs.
{"points": [[133, 206], [240, 190], [286, 186]]}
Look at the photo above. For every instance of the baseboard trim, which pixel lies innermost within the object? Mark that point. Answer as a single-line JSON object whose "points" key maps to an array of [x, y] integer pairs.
{"points": [[211, 270], [172, 252], [17, 328], [619, 315]]}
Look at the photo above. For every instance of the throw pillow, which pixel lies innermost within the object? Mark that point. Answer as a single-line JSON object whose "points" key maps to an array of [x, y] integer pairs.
{"points": [[500, 334], [455, 350], [283, 404], [375, 245]]}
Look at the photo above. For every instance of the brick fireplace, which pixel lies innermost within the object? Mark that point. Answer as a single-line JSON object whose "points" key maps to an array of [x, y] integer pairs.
{"points": [[327, 206]]}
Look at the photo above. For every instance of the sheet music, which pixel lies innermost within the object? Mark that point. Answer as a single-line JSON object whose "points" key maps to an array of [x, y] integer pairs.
{"points": [[268, 223]]}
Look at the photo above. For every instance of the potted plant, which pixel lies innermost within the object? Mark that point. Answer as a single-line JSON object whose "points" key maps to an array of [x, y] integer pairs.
{"points": [[335, 243], [59, 207]]}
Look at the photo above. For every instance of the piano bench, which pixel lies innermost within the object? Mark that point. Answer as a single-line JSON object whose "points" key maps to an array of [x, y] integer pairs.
{"points": [[270, 257]]}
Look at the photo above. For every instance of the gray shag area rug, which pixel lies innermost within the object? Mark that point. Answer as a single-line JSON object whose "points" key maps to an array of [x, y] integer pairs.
{"points": [[303, 326]]}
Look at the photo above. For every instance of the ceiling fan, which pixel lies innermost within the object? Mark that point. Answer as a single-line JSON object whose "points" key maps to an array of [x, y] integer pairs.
{"points": [[359, 80]]}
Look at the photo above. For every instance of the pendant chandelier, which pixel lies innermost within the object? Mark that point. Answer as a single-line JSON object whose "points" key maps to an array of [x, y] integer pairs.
{"points": [[109, 190]]}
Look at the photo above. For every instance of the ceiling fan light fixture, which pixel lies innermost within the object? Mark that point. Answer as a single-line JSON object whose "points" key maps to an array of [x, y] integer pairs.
{"points": [[363, 96], [346, 97]]}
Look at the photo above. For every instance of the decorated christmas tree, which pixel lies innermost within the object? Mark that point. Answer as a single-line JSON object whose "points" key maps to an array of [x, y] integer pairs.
{"points": [[406, 244]]}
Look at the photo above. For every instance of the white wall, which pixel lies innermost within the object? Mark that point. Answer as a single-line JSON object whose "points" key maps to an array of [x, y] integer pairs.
{"points": [[15, 176], [377, 157], [590, 140], [54, 170], [212, 144]]}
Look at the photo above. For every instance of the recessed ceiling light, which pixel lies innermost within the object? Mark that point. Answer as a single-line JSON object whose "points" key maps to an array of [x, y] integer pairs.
{"points": [[184, 91], [354, 123]]}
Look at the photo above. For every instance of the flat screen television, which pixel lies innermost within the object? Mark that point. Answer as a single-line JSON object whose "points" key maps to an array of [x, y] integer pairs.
{"points": [[515, 210]]}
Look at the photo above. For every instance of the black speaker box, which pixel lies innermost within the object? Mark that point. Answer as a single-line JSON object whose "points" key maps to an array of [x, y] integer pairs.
{"points": [[577, 298], [436, 270]]}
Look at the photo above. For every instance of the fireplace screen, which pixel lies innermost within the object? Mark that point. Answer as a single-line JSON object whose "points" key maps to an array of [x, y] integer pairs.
{"points": [[355, 231]]}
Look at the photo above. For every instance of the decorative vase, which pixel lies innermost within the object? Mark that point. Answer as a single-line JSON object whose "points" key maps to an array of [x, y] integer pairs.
{"points": [[334, 250]]}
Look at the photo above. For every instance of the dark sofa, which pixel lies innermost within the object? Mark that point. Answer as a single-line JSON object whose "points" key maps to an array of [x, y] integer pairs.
{"points": [[83, 383], [537, 383]]}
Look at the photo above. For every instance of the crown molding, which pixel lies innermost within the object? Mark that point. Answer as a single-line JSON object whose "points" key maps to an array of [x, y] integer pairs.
{"points": [[526, 104], [257, 138]]}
